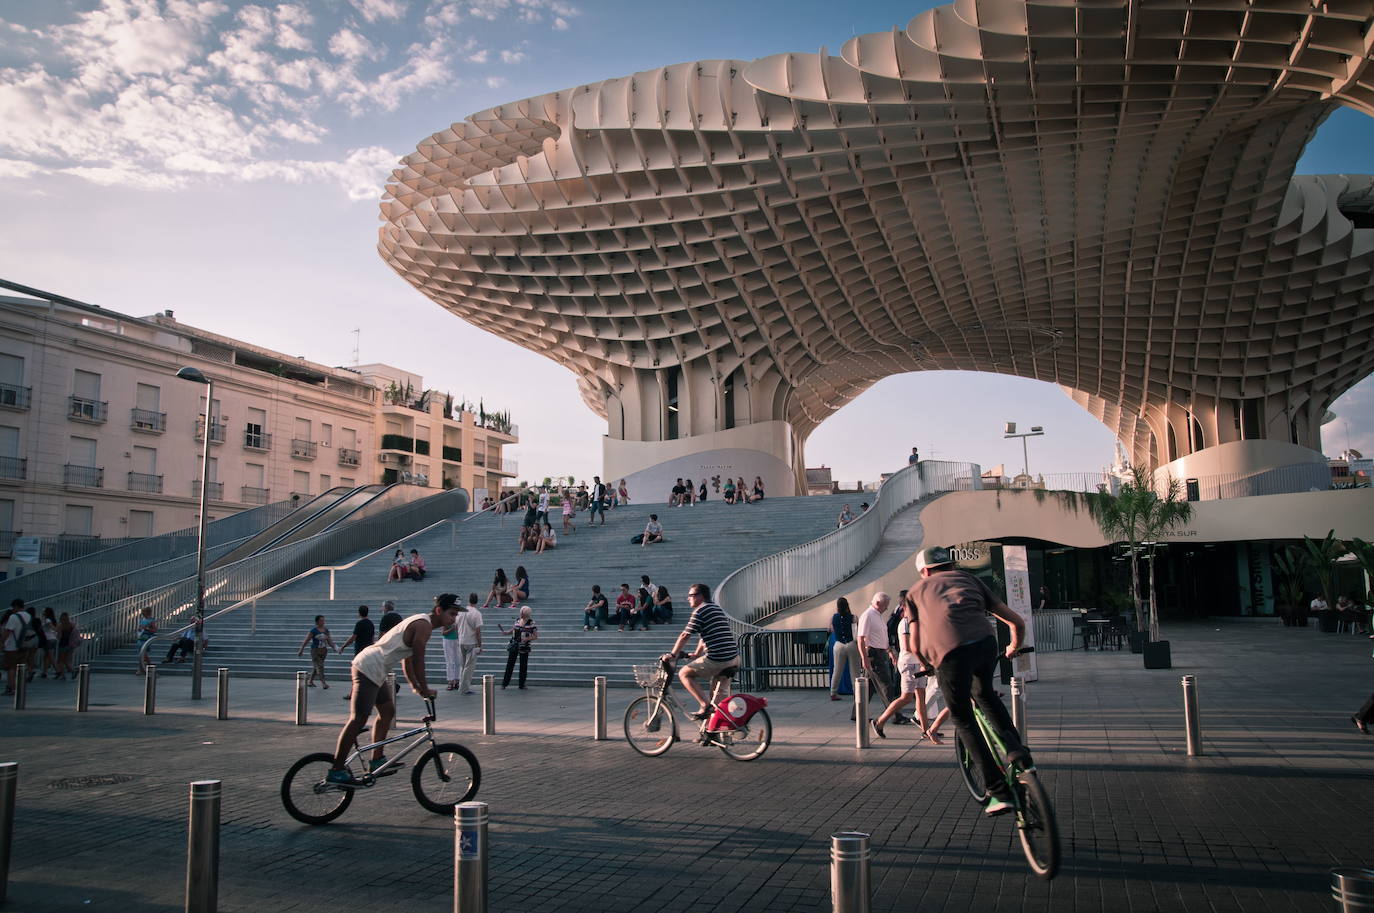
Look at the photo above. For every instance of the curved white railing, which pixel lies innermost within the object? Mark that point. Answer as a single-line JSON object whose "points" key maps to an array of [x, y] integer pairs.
{"points": [[758, 591]]}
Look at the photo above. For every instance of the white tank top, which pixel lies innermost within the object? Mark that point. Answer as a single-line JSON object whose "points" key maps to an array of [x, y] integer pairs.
{"points": [[379, 659]]}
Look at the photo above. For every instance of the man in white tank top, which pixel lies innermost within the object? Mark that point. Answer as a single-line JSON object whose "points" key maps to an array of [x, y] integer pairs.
{"points": [[405, 643]]}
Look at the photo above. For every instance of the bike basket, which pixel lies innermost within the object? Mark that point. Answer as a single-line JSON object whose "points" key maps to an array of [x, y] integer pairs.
{"points": [[649, 676]]}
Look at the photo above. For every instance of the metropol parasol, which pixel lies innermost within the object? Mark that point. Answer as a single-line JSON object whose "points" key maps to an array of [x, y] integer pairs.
{"points": [[1100, 195]]}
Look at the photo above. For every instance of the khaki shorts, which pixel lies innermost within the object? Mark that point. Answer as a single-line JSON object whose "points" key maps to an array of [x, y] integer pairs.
{"points": [[368, 694], [712, 669]]}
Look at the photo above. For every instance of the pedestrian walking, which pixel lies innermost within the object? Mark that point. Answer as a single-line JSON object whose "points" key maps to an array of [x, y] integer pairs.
{"points": [[845, 659], [320, 644], [363, 636], [469, 626]]}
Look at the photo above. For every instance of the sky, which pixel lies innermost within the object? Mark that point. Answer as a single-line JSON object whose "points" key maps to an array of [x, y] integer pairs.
{"points": [[225, 160]]}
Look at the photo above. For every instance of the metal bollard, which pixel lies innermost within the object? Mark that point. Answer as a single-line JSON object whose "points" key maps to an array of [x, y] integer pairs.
{"points": [[599, 713], [861, 737], [21, 686], [1018, 705], [470, 858], [9, 783], [202, 848], [83, 687], [302, 702], [222, 695], [1353, 889], [850, 857], [391, 683], [150, 691], [488, 705], [1190, 716]]}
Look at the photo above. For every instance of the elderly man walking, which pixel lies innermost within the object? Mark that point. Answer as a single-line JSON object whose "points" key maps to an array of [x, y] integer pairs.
{"points": [[874, 652]]}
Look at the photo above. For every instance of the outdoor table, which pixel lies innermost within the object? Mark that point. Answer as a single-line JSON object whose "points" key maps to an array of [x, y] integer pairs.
{"points": [[1099, 630]]}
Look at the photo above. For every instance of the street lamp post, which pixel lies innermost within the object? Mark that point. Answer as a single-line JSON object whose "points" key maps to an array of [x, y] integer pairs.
{"points": [[1010, 432], [196, 376]]}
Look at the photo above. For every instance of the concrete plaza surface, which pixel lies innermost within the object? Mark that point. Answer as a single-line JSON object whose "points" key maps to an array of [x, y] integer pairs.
{"points": [[1280, 797]]}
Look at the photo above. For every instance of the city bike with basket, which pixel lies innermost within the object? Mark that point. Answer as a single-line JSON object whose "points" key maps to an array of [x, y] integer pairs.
{"points": [[736, 724], [445, 774], [1035, 823]]}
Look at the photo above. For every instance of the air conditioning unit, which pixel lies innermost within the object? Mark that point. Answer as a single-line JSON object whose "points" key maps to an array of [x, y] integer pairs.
{"points": [[400, 459]]}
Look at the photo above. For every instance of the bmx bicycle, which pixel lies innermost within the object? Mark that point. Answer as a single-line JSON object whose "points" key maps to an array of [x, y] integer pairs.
{"points": [[736, 724], [445, 774], [1035, 822]]}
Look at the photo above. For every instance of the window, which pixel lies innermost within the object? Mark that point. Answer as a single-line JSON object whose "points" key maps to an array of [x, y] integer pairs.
{"points": [[11, 370], [255, 431], [86, 385], [255, 474], [78, 520], [6, 516], [81, 451], [350, 438], [85, 404], [347, 482], [326, 436], [148, 397], [728, 395], [300, 482], [326, 482], [140, 523], [303, 429], [145, 460], [9, 441]]}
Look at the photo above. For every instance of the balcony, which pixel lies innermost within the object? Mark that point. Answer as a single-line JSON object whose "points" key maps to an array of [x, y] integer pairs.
{"points": [[507, 467], [15, 397], [216, 431], [303, 450], [83, 476], [86, 410], [398, 442], [14, 468], [215, 492], [453, 454], [145, 482], [7, 537], [349, 457], [256, 440], [250, 495], [147, 421]]}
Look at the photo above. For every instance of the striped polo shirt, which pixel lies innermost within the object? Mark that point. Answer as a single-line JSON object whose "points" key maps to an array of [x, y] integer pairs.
{"points": [[708, 620]]}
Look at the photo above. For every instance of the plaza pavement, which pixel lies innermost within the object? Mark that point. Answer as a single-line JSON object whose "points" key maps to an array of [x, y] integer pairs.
{"points": [[1280, 797]]}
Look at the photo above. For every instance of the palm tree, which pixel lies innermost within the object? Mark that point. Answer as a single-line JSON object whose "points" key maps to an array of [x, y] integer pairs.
{"points": [[1140, 516]]}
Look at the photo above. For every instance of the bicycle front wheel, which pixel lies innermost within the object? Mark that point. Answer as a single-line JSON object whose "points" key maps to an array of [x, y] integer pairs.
{"points": [[970, 771], [650, 726], [1035, 822], [306, 794], [751, 740], [444, 776]]}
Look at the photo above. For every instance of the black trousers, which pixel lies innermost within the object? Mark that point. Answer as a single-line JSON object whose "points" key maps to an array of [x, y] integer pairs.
{"points": [[965, 676], [510, 666], [884, 676], [1366, 713]]}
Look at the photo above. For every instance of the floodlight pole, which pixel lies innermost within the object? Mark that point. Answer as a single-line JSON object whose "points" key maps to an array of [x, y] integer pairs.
{"points": [[197, 658], [1036, 431]]}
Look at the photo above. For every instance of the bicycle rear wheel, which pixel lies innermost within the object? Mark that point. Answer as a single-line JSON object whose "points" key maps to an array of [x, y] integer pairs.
{"points": [[1036, 826], [970, 771], [650, 726], [751, 740], [444, 776], [307, 796]]}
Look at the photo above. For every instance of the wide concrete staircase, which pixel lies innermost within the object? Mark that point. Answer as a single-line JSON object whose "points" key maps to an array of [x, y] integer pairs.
{"points": [[704, 544]]}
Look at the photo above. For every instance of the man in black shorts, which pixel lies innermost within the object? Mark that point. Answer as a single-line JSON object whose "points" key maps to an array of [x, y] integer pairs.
{"points": [[953, 634], [717, 643]]}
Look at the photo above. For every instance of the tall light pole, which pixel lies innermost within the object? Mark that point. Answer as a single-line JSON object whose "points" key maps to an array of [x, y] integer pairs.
{"points": [[1010, 432], [196, 376]]}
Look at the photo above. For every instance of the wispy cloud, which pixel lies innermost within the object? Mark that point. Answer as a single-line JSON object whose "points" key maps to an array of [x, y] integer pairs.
{"points": [[157, 94]]}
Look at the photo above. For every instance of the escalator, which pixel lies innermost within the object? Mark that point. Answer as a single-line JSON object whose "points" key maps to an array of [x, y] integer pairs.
{"points": [[283, 530]]}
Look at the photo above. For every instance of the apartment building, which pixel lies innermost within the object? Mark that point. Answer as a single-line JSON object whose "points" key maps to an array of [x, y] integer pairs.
{"points": [[99, 439]]}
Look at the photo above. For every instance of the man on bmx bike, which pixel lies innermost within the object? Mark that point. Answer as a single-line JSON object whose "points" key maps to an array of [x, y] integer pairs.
{"points": [[717, 642], [953, 635]]}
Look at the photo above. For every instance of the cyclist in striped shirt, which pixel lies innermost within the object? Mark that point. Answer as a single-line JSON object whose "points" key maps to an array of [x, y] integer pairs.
{"points": [[716, 650]]}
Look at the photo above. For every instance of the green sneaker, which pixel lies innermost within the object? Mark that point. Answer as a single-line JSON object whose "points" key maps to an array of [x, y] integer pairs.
{"points": [[373, 765], [996, 806], [341, 778]]}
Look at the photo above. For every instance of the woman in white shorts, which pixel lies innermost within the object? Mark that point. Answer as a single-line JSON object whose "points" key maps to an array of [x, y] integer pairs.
{"points": [[922, 689]]}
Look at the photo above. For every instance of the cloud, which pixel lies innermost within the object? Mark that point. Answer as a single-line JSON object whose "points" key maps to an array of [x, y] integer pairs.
{"points": [[361, 174], [513, 56], [494, 82], [15, 168], [372, 10], [349, 45], [479, 56]]}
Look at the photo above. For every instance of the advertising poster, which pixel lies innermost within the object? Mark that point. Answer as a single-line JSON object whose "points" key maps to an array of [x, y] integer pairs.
{"points": [[1019, 600]]}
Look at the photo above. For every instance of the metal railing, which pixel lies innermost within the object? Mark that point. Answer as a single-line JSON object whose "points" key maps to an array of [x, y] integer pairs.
{"points": [[13, 396], [1091, 482], [7, 537], [1279, 480], [143, 481], [215, 493], [105, 567], [758, 591], [250, 494], [256, 440], [303, 450], [147, 421], [14, 468], [241, 582], [83, 476], [86, 410], [349, 457], [217, 429], [509, 467]]}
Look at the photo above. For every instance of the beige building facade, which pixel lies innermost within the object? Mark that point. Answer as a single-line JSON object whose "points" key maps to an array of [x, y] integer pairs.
{"points": [[100, 439]]}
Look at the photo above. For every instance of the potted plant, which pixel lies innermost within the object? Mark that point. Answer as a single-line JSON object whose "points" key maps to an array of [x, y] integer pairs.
{"points": [[1291, 565], [1140, 516], [1323, 554]]}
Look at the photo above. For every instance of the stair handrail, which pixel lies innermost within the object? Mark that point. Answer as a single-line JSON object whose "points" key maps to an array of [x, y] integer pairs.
{"points": [[755, 593], [332, 569]]}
